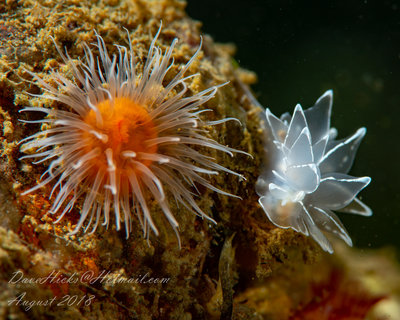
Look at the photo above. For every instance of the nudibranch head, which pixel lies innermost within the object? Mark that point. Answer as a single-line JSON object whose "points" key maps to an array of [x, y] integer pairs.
{"points": [[125, 139], [307, 178]]}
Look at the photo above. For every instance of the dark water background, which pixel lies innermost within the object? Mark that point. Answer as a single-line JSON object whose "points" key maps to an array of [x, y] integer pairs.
{"points": [[299, 49]]}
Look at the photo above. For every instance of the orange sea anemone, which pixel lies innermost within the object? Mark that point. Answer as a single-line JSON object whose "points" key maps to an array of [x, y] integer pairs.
{"points": [[124, 138]]}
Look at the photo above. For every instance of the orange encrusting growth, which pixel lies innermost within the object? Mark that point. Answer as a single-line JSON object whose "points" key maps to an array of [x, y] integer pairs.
{"points": [[127, 127], [339, 298]]}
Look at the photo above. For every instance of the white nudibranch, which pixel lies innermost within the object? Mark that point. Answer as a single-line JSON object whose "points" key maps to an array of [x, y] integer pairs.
{"points": [[307, 173]]}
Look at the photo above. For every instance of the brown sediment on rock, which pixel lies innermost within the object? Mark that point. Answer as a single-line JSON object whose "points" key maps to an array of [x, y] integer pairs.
{"points": [[32, 243]]}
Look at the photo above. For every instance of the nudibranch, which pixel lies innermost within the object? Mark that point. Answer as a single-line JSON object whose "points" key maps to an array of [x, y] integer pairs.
{"points": [[307, 176], [124, 138]]}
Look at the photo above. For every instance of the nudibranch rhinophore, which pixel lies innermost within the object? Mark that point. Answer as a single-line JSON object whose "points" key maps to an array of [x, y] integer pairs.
{"points": [[125, 137], [307, 176]]}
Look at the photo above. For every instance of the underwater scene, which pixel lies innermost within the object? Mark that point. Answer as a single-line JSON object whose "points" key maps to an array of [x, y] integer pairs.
{"points": [[170, 159]]}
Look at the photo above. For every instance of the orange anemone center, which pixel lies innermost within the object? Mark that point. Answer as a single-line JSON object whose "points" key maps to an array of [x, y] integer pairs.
{"points": [[126, 126]]}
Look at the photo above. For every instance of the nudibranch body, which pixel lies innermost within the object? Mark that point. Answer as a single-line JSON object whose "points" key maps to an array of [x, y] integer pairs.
{"points": [[307, 176], [125, 138]]}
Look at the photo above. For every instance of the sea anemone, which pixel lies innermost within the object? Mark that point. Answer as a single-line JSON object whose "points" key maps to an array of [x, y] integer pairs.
{"points": [[307, 174], [125, 138]]}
